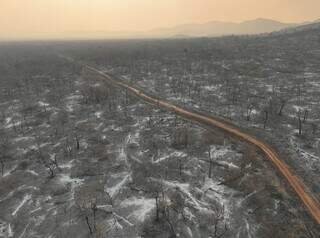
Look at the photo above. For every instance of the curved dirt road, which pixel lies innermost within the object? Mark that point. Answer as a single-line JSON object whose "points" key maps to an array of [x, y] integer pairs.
{"points": [[311, 203]]}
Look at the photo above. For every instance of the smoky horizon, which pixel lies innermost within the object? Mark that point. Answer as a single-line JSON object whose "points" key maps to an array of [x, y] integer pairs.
{"points": [[72, 19]]}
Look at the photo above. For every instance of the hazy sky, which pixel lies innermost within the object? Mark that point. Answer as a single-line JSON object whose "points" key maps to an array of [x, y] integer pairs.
{"points": [[22, 18]]}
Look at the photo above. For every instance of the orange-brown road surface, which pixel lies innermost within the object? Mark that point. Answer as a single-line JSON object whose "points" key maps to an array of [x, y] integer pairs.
{"points": [[311, 203]]}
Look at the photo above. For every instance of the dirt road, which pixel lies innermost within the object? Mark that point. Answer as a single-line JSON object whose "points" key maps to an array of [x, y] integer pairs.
{"points": [[311, 203]]}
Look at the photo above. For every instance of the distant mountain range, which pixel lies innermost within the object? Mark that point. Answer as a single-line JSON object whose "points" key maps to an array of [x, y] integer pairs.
{"points": [[217, 28], [209, 29]]}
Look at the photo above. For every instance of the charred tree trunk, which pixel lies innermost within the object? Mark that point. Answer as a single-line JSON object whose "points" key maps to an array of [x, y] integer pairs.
{"points": [[265, 119], [157, 207], [305, 116], [89, 226], [299, 123], [283, 103], [2, 166]]}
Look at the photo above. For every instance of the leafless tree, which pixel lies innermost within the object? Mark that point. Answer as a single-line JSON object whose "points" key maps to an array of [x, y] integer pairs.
{"points": [[220, 227], [282, 105], [266, 118], [4, 150], [299, 122], [250, 108]]}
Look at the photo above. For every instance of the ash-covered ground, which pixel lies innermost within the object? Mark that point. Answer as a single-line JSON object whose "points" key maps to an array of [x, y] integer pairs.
{"points": [[81, 158], [267, 84]]}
